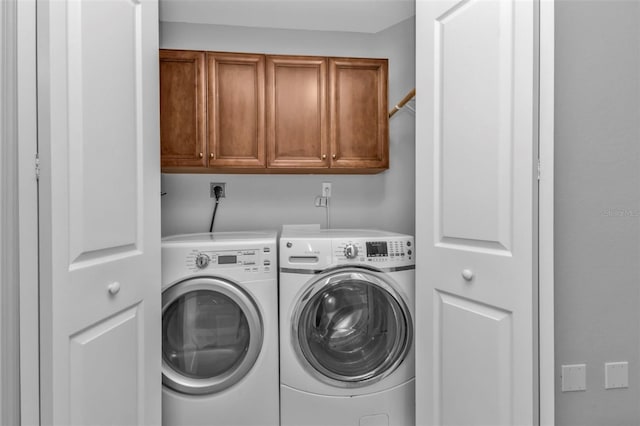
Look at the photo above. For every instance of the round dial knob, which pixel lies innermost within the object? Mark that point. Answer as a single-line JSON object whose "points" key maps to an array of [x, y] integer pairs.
{"points": [[350, 251], [202, 261]]}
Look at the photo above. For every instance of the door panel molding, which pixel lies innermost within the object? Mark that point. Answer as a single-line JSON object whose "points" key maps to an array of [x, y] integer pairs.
{"points": [[474, 359], [88, 348], [474, 137], [104, 112]]}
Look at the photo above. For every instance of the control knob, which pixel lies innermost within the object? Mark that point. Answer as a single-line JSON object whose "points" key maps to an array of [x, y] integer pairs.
{"points": [[202, 261], [350, 251]]}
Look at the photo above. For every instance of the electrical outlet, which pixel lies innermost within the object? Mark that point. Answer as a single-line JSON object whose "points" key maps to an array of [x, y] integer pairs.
{"points": [[326, 189], [616, 375], [212, 186], [574, 378]]}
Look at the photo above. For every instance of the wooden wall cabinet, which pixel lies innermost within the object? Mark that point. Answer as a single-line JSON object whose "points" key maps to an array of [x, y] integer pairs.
{"points": [[182, 109], [278, 114]]}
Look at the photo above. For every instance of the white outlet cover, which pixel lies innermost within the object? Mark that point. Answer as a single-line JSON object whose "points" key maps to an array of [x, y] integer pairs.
{"points": [[326, 189], [616, 375], [574, 377]]}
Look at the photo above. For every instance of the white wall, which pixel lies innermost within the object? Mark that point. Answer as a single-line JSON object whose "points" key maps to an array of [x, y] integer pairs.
{"points": [[597, 205], [383, 201]]}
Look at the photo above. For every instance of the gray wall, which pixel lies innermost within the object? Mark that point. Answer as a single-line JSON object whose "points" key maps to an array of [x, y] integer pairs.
{"points": [[382, 201], [9, 220], [597, 205]]}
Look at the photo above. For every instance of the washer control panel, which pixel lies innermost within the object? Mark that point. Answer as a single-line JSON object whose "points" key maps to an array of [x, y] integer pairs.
{"points": [[248, 260], [392, 251]]}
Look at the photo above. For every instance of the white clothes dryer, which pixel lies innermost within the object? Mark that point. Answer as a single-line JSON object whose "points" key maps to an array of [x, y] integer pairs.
{"points": [[346, 328], [220, 329]]}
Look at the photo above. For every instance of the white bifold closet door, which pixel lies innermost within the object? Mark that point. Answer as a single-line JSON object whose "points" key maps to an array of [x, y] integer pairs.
{"points": [[99, 212], [476, 201]]}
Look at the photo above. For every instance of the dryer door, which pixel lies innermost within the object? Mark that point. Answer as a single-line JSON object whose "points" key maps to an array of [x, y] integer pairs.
{"points": [[211, 335], [352, 328]]}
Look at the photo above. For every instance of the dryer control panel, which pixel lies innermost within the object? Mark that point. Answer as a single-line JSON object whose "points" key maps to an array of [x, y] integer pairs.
{"points": [[247, 260], [374, 252]]}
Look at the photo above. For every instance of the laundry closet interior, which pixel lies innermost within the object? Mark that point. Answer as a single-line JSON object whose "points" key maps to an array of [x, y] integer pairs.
{"points": [[467, 183], [344, 377]]}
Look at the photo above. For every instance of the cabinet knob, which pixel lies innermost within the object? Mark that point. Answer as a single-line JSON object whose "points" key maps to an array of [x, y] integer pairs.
{"points": [[333, 156], [324, 156], [467, 274], [211, 155], [114, 288], [201, 155]]}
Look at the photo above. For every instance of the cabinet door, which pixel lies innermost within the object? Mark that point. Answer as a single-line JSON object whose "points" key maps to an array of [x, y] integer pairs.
{"points": [[182, 108], [358, 113], [236, 110], [297, 131]]}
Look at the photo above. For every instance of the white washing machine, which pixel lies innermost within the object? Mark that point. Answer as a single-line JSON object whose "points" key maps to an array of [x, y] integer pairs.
{"points": [[346, 328], [220, 329]]}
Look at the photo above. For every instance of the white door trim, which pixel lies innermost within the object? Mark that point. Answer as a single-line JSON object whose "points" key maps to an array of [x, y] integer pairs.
{"points": [[28, 212], [545, 230]]}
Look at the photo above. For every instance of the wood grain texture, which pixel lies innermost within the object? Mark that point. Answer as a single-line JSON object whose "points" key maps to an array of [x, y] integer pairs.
{"points": [[359, 123], [182, 108], [236, 110], [297, 132], [253, 112]]}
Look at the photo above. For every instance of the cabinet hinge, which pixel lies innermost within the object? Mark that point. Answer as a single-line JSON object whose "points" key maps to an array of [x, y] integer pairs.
{"points": [[37, 166], [538, 169]]}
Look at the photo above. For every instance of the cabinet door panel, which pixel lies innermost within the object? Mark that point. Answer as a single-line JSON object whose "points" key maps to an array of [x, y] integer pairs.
{"points": [[182, 108], [297, 112], [236, 110], [359, 120]]}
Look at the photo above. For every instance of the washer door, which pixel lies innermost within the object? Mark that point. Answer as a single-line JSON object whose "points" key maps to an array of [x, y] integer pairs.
{"points": [[211, 335], [352, 328]]}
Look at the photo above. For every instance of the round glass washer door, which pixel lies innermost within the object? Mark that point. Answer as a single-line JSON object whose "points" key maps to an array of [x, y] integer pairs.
{"points": [[211, 335], [351, 328]]}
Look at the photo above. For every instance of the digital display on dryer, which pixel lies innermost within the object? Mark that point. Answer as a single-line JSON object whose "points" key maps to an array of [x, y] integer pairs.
{"points": [[377, 249], [227, 260]]}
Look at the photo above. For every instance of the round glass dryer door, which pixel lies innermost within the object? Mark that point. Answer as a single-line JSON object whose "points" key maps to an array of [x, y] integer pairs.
{"points": [[211, 335], [352, 328]]}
